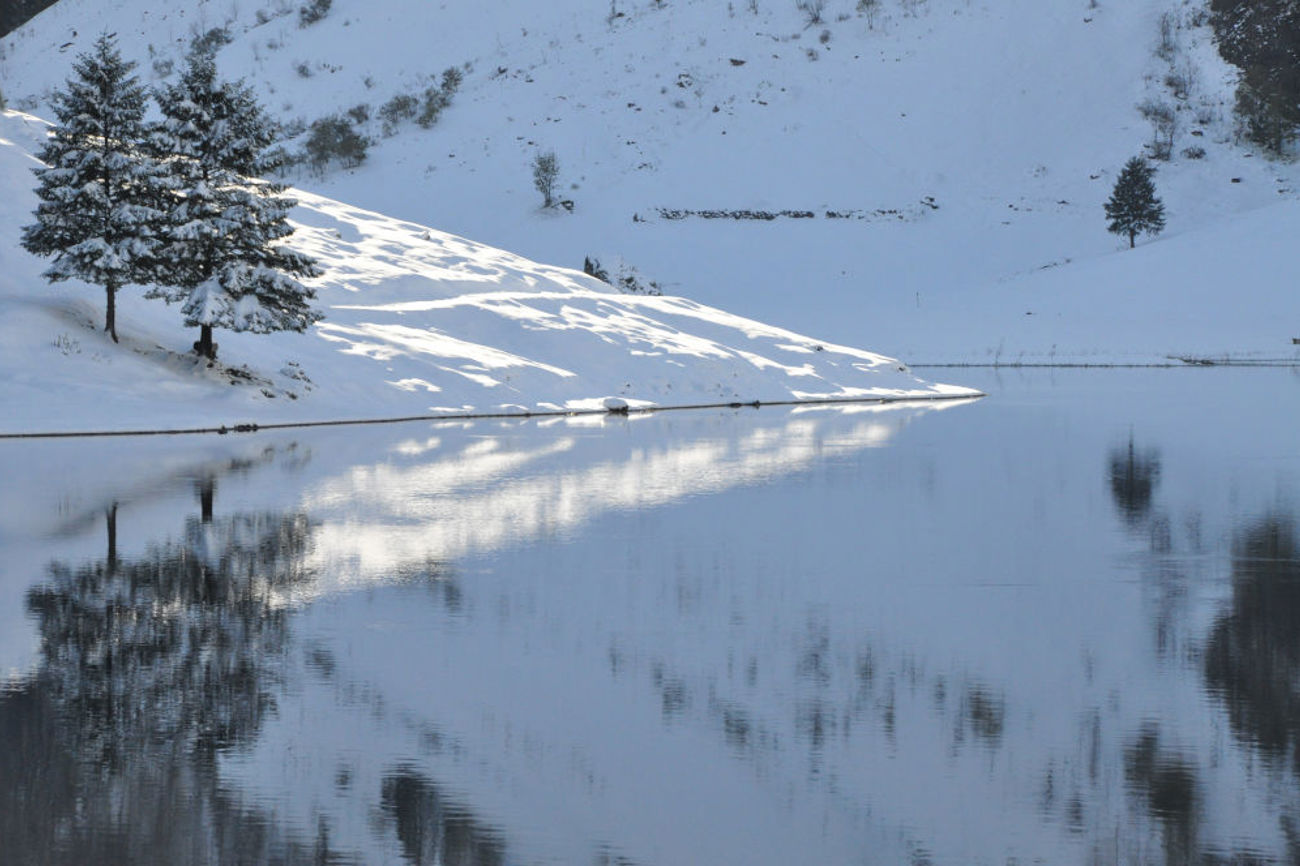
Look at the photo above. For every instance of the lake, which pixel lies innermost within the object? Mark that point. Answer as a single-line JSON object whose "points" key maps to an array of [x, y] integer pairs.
{"points": [[1055, 625]]}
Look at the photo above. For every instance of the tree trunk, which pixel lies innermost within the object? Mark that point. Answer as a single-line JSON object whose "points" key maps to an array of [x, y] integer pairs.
{"points": [[207, 492], [204, 346], [110, 520], [1132, 240], [110, 316]]}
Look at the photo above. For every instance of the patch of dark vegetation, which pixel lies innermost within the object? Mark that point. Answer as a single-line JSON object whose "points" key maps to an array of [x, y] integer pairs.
{"points": [[744, 214], [16, 13], [1262, 39]]}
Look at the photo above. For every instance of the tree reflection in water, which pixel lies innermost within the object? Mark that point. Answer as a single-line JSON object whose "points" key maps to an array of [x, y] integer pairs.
{"points": [[151, 666], [1167, 785], [432, 831], [1134, 474], [1252, 657]]}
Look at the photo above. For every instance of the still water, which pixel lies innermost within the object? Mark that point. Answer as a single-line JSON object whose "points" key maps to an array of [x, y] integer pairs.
{"points": [[1060, 625]]}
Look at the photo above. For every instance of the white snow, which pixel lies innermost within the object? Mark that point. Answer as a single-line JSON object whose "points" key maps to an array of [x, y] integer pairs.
{"points": [[973, 176], [418, 322], [989, 134]]}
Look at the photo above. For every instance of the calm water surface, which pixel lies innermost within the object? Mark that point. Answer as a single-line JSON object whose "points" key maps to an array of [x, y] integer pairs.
{"points": [[1058, 625]]}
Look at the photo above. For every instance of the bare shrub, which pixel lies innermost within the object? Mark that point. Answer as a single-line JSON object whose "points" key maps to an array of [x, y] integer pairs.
{"points": [[812, 10], [546, 171]]}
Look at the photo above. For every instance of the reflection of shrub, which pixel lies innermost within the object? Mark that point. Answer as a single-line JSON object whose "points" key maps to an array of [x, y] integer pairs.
{"points": [[312, 12], [333, 139]]}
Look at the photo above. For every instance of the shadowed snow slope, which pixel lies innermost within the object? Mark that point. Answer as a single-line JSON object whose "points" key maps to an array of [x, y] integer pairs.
{"points": [[416, 322]]}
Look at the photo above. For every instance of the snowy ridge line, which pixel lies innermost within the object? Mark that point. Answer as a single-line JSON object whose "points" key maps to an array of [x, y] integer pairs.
{"points": [[478, 416]]}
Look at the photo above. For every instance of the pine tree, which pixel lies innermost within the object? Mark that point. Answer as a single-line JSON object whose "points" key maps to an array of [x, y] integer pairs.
{"points": [[222, 260], [100, 192], [1133, 207]]}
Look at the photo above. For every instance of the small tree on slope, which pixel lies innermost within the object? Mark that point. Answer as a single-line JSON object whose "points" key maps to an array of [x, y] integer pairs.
{"points": [[222, 260], [100, 194], [546, 169], [1133, 207]]}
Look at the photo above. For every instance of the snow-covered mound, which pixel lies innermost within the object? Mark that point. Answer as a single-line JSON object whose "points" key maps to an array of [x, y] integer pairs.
{"points": [[417, 322], [939, 152]]}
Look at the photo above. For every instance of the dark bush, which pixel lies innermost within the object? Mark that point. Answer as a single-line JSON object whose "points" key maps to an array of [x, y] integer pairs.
{"points": [[1262, 39], [209, 42], [312, 12], [332, 139], [592, 268], [435, 100], [397, 110], [451, 81]]}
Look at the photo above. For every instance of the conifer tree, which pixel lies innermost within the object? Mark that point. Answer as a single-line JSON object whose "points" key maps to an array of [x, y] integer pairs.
{"points": [[1133, 207], [100, 192], [222, 260]]}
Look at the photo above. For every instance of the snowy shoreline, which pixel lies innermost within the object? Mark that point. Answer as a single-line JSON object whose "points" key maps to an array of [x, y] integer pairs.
{"points": [[893, 402]]}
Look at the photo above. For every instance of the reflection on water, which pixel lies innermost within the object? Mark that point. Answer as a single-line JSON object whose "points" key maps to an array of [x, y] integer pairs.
{"points": [[1057, 625], [1252, 654], [1133, 478], [151, 665]]}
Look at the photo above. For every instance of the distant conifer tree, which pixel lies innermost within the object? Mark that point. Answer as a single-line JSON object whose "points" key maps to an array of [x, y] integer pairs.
{"points": [[99, 215], [1133, 207], [222, 259]]}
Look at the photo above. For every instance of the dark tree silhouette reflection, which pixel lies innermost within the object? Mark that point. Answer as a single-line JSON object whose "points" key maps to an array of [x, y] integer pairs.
{"points": [[432, 830], [1168, 786], [150, 666], [1252, 658], [1134, 475]]}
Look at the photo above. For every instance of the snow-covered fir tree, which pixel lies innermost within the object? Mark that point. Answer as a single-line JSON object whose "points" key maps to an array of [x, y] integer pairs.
{"points": [[223, 260], [99, 214]]}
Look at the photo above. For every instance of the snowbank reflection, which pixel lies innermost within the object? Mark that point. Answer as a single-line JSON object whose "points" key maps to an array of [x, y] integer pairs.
{"points": [[473, 489], [159, 587]]}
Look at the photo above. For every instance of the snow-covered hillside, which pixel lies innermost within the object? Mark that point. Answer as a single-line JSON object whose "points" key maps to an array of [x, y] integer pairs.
{"points": [[964, 148], [418, 322]]}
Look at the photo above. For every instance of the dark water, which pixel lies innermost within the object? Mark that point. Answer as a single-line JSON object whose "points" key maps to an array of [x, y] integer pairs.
{"points": [[1058, 625]]}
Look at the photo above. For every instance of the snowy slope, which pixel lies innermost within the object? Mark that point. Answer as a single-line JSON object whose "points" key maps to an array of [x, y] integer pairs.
{"points": [[418, 322], [989, 134]]}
